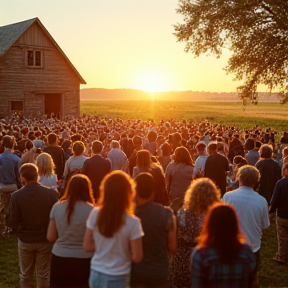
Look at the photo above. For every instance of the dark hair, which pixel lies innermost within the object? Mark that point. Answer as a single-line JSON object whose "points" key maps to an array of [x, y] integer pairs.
{"points": [[166, 149], [227, 238], [144, 185], [97, 146], [29, 172], [182, 155], [78, 189], [152, 136], [8, 141], [250, 144], [52, 138], [137, 140], [66, 144], [117, 191], [265, 151], [29, 144], [78, 148]]}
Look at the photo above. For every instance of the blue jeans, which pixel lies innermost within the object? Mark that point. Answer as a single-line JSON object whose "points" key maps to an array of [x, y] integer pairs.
{"points": [[100, 280]]}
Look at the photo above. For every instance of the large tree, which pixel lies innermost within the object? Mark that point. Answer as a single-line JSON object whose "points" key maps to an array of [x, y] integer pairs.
{"points": [[255, 31]]}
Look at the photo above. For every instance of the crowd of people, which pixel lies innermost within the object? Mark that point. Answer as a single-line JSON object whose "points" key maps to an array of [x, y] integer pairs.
{"points": [[108, 202]]}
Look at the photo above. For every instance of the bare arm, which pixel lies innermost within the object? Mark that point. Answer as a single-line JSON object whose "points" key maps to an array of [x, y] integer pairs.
{"points": [[136, 250], [52, 232], [172, 241], [89, 243]]}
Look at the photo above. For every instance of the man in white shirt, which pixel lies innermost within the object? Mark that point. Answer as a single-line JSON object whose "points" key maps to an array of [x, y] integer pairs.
{"points": [[118, 158], [252, 208]]}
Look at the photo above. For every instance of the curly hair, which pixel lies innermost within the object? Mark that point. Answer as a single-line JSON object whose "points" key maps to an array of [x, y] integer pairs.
{"points": [[200, 195]]}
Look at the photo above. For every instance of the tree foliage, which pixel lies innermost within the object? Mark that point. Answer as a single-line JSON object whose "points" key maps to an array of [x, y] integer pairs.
{"points": [[255, 31]]}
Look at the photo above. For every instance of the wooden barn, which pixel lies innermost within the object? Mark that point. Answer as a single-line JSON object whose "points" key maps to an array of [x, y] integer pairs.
{"points": [[36, 77]]}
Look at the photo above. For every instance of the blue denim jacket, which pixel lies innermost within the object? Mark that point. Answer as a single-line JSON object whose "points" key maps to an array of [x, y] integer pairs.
{"points": [[9, 168]]}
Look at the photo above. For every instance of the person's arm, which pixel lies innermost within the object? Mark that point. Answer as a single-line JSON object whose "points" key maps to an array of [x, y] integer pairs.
{"points": [[136, 250], [13, 215], [52, 232], [172, 233], [89, 243]]}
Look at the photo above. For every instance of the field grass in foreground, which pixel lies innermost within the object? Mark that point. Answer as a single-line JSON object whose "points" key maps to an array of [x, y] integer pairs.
{"points": [[271, 274], [273, 115]]}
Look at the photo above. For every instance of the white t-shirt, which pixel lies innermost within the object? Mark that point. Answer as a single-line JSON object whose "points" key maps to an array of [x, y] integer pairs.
{"points": [[113, 255]]}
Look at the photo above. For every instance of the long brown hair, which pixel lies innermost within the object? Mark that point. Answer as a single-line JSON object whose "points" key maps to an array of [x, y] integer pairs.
{"points": [[79, 188], [144, 160], [117, 191], [221, 230], [182, 155]]}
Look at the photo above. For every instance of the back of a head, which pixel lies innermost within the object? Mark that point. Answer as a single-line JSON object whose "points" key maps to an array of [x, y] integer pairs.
{"points": [[45, 164], [212, 147], [144, 185], [249, 144], [248, 176], [227, 238], [117, 190], [200, 195], [8, 141], [166, 149], [265, 151], [78, 148], [182, 155], [144, 160], [152, 136], [115, 144], [29, 172], [97, 147], [52, 138], [137, 141], [29, 145]]}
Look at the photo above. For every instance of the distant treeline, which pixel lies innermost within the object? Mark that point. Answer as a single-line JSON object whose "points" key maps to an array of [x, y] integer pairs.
{"points": [[132, 94]]}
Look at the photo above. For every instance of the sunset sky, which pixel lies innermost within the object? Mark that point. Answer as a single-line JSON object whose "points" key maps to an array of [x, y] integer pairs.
{"points": [[123, 43]]}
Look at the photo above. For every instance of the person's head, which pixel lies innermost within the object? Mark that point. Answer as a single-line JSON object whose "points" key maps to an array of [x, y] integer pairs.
{"points": [[45, 164], [144, 185], [38, 134], [117, 191], [97, 147], [79, 188], [66, 144], [249, 144], [165, 149], [28, 173], [29, 145], [285, 152], [152, 136], [78, 148], [248, 176], [52, 138], [265, 151], [200, 195], [182, 155], [177, 137], [221, 230], [238, 159], [144, 160], [200, 147], [8, 142], [212, 147], [115, 144], [137, 141]]}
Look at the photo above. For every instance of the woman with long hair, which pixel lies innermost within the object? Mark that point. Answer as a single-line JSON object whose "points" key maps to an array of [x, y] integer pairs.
{"points": [[222, 258], [201, 194], [70, 265], [178, 175], [46, 169], [145, 164], [113, 233]]}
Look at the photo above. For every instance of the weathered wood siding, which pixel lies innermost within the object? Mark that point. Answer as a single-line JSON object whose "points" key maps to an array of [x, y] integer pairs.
{"points": [[20, 82]]}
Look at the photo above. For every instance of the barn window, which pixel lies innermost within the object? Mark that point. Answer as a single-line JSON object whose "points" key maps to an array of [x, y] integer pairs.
{"points": [[16, 105], [34, 58]]}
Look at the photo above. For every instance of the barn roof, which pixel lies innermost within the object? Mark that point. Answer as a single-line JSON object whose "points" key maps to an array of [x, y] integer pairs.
{"points": [[9, 34]]}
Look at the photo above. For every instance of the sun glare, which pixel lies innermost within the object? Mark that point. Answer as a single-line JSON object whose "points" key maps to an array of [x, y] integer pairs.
{"points": [[151, 82]]}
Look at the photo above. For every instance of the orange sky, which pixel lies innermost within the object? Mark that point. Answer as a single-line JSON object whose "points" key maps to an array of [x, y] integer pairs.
{"points": [[123, 43]]}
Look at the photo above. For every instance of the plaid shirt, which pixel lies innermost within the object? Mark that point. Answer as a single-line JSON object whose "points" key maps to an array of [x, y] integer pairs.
{"points": [[209, 271]]}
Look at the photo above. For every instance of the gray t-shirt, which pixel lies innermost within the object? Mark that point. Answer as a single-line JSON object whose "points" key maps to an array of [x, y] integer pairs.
{"points": [[70, 237]]}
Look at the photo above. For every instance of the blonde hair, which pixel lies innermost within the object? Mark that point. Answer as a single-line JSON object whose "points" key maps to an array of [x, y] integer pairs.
{"points": [[45, 164], [200, 195], [248, 175]]}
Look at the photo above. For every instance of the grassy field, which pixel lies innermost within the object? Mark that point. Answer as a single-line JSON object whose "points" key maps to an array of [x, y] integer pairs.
{"points": [[271, 274], [271, 115]]}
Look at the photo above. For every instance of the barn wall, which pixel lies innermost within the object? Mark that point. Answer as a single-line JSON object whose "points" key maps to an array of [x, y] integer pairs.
{"points": [[17, 80]]}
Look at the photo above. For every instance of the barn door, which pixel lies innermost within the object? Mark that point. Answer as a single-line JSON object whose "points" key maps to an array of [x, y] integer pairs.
{"points": [[53, 104]]}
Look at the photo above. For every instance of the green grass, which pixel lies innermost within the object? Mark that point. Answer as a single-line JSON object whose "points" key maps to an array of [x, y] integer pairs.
{"points": [[271, 274], [273, 115]]}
